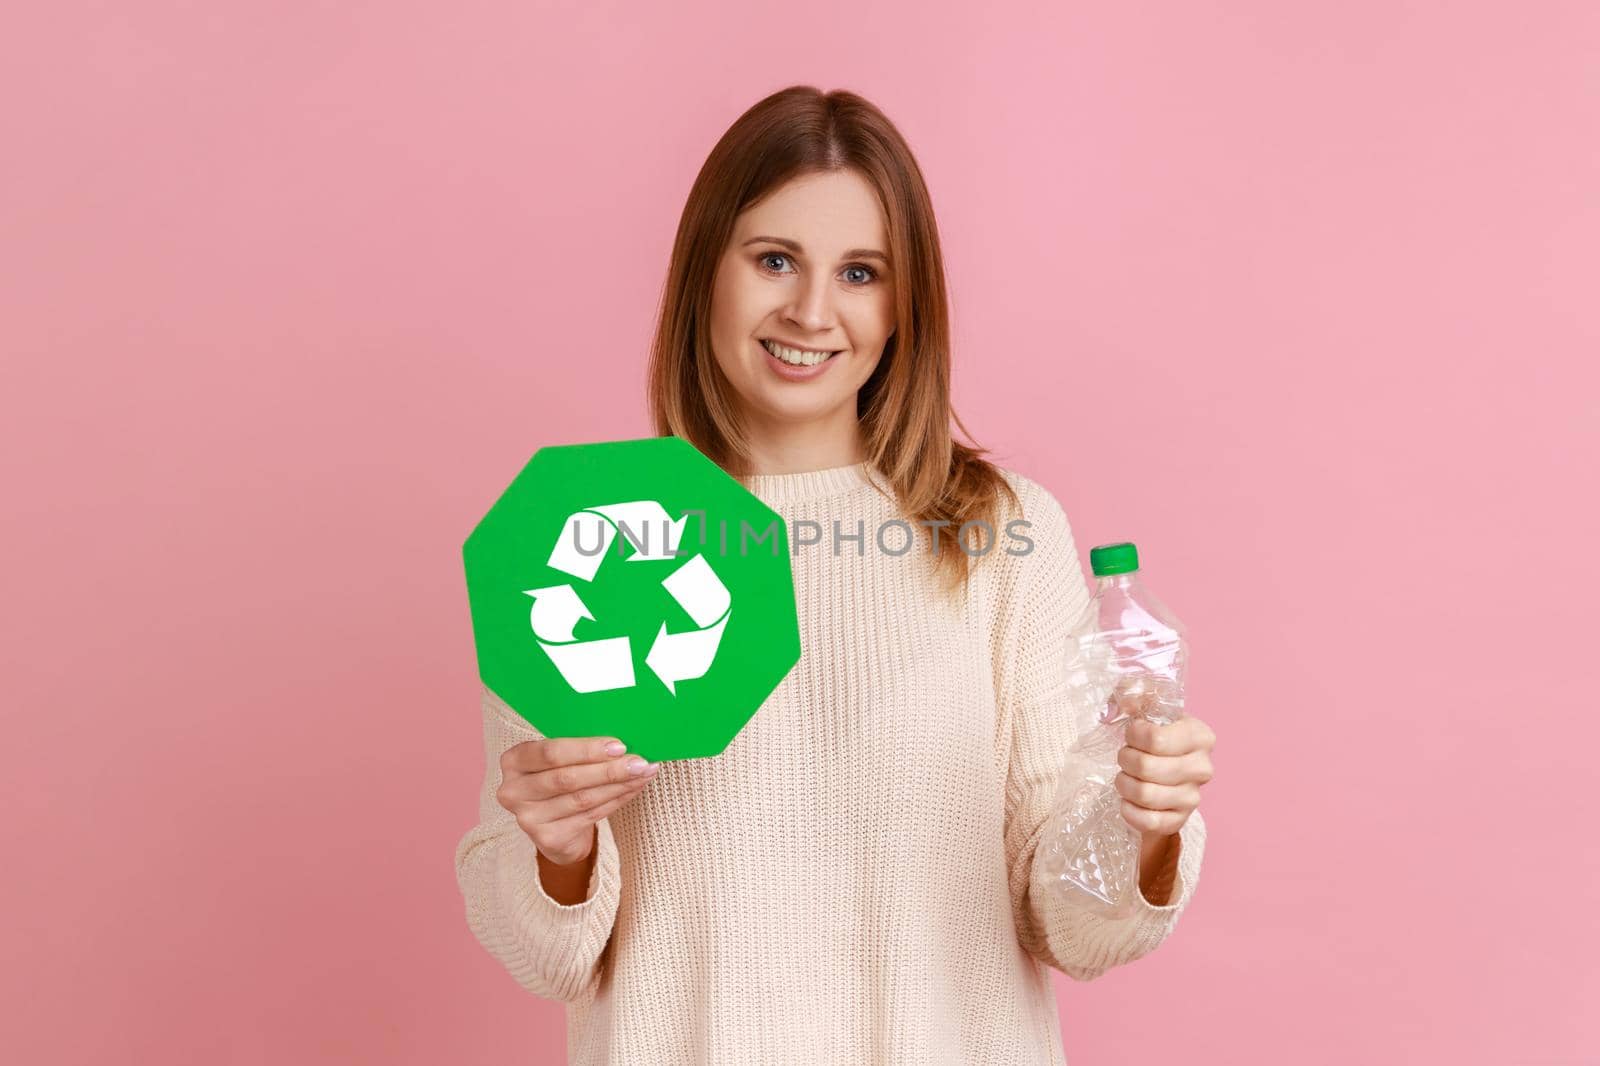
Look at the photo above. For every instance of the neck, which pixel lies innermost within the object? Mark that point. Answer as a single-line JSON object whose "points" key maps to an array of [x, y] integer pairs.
{"points": [[795, 447]]}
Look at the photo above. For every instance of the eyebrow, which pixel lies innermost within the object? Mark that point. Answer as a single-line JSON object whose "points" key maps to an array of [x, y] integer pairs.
{"points": [[794, 246]]}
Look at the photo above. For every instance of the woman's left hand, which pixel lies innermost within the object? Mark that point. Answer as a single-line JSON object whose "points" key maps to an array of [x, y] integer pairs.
{"points": [[1163, 767]]}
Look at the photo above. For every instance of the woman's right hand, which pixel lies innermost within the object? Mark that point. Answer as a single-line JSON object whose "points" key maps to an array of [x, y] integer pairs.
{"points": [[559, 787]]}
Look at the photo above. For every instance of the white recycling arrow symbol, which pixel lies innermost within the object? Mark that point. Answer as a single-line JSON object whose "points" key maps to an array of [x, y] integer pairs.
{"points": [[684, 656], [600, 665]]}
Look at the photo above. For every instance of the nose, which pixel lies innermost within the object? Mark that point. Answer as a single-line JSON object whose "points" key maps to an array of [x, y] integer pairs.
{"points": [[812, 309]]}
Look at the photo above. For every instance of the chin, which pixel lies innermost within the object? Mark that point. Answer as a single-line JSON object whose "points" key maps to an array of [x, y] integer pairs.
{"points": [[785, 409]]}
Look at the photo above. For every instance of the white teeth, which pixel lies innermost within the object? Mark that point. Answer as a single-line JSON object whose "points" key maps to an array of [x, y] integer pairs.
{"points": [[794, 356]]}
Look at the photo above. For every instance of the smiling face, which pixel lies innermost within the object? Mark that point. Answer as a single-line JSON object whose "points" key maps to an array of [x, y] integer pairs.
{"points": [[806, 268]]}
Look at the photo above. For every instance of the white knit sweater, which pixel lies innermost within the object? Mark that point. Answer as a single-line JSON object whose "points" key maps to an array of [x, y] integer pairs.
{"points": [[852, 880]]}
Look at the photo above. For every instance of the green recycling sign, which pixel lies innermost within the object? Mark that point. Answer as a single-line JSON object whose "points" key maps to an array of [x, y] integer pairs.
{"points": [[632, 589]]}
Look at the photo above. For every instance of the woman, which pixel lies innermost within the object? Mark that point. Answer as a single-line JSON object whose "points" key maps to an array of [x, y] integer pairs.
{"points": [[852, 879]]}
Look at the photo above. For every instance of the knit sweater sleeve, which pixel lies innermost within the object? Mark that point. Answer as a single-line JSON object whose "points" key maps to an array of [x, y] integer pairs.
{"points": [[551, 949], [1044, 599]]}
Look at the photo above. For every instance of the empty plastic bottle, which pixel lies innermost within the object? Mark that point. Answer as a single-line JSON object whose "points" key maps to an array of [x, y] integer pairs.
{"points": [[1130, 661]]}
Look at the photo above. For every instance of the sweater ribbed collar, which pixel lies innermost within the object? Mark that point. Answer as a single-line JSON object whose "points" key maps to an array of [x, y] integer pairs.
{"points": [[805, 485]]}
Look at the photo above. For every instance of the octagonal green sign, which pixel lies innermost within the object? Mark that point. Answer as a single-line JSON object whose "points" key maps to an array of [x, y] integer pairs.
{"points": [[632, 589]]}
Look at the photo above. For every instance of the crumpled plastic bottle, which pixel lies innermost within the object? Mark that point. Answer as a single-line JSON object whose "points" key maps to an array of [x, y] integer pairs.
{"points": [[1130, 661]]}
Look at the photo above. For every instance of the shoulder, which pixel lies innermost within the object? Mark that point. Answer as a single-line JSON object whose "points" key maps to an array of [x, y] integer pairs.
{"points": [[1035, 505], [1041, 586]]}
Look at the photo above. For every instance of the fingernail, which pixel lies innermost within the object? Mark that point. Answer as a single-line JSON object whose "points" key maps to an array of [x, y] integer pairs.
{"points": [[615, 748], [638, 766]]}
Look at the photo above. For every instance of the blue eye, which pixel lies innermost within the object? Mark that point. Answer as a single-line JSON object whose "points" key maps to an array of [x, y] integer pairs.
{"points": [[872, 275]]}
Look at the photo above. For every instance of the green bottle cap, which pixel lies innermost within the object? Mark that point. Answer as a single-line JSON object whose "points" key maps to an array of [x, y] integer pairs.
{"points": [[1120, 558]]}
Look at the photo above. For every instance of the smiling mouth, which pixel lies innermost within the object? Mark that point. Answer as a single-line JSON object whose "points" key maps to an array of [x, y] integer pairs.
{"points": [[796, 356]]}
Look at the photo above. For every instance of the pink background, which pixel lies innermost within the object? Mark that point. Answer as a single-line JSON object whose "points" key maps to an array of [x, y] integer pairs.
{"points": [[1301, 297]]}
